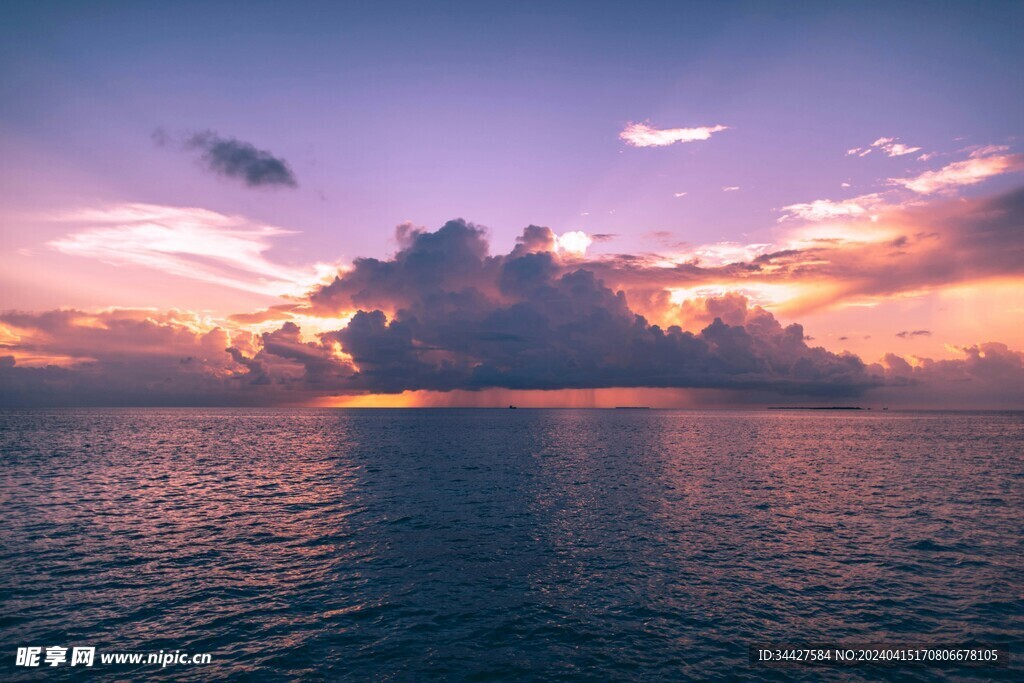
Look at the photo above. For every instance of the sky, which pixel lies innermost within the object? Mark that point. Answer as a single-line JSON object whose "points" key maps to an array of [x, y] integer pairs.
{"points": [[558, 204]]}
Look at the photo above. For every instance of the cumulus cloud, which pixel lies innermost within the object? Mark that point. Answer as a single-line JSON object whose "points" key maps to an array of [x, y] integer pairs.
{"points": [[451, 316], [644, 135], [982, 164], [442, 314]]}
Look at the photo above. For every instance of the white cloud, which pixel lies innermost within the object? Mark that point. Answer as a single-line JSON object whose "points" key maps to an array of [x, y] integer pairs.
{"points": [[643, 135], [730, 188], [187, 242], [893, 148], [680, 194], [967, 172], [890, 146], [826, 209]]}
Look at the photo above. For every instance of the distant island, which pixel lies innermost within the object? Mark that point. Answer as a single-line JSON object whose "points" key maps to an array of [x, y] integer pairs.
{"points": [[817, 408], [632, 407]]}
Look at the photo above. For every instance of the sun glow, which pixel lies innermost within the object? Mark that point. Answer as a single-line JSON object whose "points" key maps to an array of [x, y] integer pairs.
{"points": [[573, 243]]}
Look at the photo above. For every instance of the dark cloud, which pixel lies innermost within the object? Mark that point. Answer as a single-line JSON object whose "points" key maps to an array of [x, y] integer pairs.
{"points": [[913, 333], [443, 314], [237, 159], [989, 375]]}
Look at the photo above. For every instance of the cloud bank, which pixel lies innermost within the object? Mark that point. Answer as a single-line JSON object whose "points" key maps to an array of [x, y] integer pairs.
{"points": [[444, 314]]}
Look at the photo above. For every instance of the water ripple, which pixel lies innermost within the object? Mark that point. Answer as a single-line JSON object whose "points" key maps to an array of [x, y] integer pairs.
{"points": [[501, 545]]}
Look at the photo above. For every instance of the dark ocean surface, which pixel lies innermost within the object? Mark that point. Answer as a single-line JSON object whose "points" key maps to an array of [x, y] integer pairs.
{"points": [[415, 545]]}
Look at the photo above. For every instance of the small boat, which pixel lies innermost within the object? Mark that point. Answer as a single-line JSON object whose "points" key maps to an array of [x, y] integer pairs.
{"points": [[511, 407]]}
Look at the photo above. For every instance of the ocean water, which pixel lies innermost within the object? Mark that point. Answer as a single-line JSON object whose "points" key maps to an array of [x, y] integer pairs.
{"points": [[414, 545]]}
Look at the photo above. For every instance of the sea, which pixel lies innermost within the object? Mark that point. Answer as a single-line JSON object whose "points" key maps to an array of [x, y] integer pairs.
{"points": [[507, 545]]}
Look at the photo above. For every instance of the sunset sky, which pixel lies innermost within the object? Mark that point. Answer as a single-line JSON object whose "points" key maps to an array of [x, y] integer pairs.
{"points": [[565, 204]]}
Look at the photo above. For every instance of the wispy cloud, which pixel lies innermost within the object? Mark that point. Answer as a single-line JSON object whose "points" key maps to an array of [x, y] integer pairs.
{"points": [[730, 188], [913, 333], [888, 146], [894, 148], [983, 163], [187, 242], [644, 135]]}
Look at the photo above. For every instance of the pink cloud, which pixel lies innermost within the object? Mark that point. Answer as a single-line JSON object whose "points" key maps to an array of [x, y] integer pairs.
{"points": [[981, 165]]}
